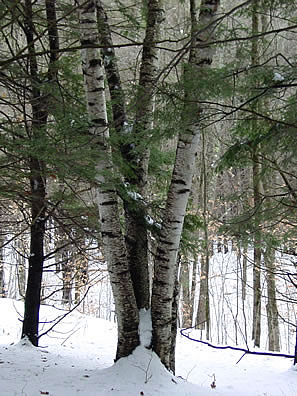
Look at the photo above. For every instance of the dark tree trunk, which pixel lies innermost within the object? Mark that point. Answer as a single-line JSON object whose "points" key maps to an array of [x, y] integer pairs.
{"points": [[2, 281], [39, 104], [256, 334], [36, 259], [174, 324], [202, 319], [295, 359]]}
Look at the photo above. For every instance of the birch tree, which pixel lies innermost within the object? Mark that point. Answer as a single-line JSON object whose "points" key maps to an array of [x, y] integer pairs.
{"points": [[133, 148], [112, 237], [181, 181], [113, 242]]}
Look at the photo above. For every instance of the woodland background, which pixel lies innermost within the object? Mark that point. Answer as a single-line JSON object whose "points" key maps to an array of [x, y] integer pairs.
{"points": [[237, 268]]}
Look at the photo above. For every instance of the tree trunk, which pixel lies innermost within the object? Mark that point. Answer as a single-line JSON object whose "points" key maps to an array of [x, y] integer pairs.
{"points": [[136, 157], [244, 272], [112, 238], [67, 278], [178, 194], [2, 279], [167, 250], [203, 315], [136, 236], [186, 294], [256, 334], [21, 266], [38, 191], [295, 358], [117, 95], [36, 258], [271, 306], [174, 325]]}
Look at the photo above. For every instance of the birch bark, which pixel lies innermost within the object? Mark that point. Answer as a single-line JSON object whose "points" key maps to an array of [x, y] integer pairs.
{"points": [[167, 250], [137, 158], [113, 241]]}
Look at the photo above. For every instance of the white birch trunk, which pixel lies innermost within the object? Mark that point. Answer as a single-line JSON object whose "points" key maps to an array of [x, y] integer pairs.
{"points": [[113, 241], [137, 159], [180, 187]]}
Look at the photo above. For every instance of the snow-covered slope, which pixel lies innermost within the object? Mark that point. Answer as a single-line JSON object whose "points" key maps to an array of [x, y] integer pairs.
{"points": [[77, 359]]}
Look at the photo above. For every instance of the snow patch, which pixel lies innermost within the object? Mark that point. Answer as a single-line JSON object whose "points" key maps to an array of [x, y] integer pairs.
{"points": [[127, 128], [134, 195], [152, 222], [278, 77], [107, 60], [145, 327]]}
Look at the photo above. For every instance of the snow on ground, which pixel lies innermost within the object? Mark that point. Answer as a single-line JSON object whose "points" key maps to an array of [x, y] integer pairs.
{"points": [[77, 359]]}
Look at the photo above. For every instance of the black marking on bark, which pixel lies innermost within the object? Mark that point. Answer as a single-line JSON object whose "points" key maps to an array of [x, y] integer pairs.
{"points": [[165, 242], [108, 203], [99, 121], [183, 191], [160, 257], [88, 7], [108, 234], [179, 181], [97, 89], [109, 191], [205, 61], [87, 43], [91, 104], [95, 62], [160, 282], [185, 142], [86, 20]]}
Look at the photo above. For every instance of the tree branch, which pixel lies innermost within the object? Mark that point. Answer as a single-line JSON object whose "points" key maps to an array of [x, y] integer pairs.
{"points": [[245, 351]]}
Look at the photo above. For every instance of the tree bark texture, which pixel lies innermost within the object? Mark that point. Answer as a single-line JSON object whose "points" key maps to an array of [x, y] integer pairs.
{"points": [[186, 307], [136, 236], [136, 227], [203, 314], [36, 258], [178, 194], [256, 333], [202, 318], [2, 279], [271, 305], [295, 359], [113, 241], [174, 325], [38, 189], [116, 91]]}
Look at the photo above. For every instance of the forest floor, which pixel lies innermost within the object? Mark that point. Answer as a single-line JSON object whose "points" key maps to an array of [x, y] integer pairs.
{"points": [[77, 359]]}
